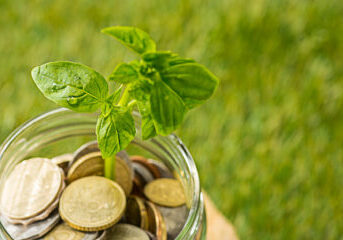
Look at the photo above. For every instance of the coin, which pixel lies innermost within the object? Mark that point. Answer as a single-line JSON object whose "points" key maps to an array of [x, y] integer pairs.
{"points": [[138, 186], [124, 175], [102, 235], [136, 213], [166, 192], [30, 188], [144, 162], [43, 215], [162, 168], [175, 218], [64, 232], [127, 232], [32, 231], [89, 164], [63, 161], [94, 147], [92, 164], [85, 149], [151, 236], [92, 204], [143, 172], [156, 222]]}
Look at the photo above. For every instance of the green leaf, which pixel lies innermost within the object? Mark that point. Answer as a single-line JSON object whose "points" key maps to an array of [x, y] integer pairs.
{"points": [[115, 96], [71, 85], [178, 60], [167, 108], [124, 73], [148, 127], [133, 38], [191, 81], [141, 89], [115, 131], [159, 60]]}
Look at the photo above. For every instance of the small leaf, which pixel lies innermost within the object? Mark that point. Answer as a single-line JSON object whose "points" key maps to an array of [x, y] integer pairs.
{"points": [[191, 81], [178, 60], [71, 85], [115, 131], [115, 96], [167, 108], [148, 127], [141, 89], [159, 60], [124, 73], [134, 38]]}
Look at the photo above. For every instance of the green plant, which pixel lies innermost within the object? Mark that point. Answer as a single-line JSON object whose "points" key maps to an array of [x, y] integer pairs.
{"points": [[162, 85]]}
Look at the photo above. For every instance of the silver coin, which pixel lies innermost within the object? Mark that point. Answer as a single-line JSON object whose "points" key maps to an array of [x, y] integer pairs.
{"points": [[31, 231], [102, 235], [151, 236], [143, 172], [63, 232], [127, 232], [175, 219], [164, 171]]}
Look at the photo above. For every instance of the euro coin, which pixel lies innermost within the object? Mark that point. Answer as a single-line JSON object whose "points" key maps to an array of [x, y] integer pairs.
{"points": [[92, 164], [64, 232], [156, 222], [84, 150], [136, 213], [174, 219], [127, 232], [30, 188], [166, 192], [92, 204], [94, 147], [32, 231]]}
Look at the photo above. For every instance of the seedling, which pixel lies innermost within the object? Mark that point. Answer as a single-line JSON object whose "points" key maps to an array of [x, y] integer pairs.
{"points": [[162, 85]]}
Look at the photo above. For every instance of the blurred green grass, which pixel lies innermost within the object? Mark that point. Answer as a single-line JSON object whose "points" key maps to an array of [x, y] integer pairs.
{"points": [[269, 143]]}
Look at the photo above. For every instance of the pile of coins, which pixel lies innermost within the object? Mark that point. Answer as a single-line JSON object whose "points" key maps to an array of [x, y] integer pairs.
{"points": [[69, 198]]}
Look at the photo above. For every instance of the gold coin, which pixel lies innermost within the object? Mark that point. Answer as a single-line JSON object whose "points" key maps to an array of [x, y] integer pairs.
{"points": [[88, 165], [136, 213], [84, 150], [92, 204], [166, 192], [31, 188], [64, 232], [156, 221], [92, 164], [127, 232]]}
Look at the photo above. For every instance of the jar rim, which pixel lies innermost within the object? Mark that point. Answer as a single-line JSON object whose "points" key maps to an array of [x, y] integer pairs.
{"points": [[196, 203]]}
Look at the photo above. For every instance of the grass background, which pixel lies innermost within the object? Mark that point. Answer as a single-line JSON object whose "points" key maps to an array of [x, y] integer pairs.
{"points": [[269, 143]]}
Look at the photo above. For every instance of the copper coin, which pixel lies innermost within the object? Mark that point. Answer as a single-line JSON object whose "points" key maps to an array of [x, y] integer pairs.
{"points": [[143, 161], [136, 213], [156, 222]]}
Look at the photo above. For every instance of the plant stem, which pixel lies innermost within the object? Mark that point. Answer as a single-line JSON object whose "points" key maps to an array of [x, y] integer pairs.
{"points": [[110, 164], [125, 98]]}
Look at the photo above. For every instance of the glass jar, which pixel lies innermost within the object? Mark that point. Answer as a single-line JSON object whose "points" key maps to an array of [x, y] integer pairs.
{"points": [[61, 131]]}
